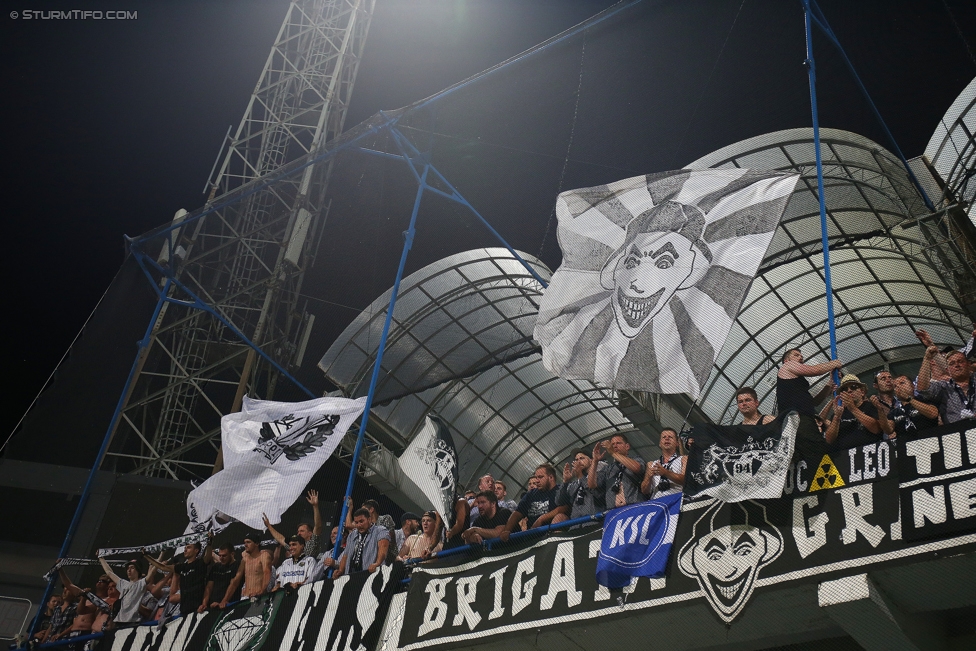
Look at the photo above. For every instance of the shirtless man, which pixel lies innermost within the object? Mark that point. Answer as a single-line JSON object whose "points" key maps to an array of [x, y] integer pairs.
{"points": [[255, 571], [89, 604]]}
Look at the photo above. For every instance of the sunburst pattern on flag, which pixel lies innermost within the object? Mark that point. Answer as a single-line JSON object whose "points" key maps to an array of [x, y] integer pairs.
{"points": [[654, 271]]}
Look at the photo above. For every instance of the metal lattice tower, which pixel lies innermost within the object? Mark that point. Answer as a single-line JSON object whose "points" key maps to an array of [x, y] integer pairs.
{"points": [[247, 257]]}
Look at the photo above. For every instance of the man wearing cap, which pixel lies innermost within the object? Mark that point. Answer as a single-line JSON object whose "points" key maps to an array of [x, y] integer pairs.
{"points": [[855, 420], [222, 571], [409, 525], [130, 590], [297, 568], [575, 491], [366, 548]]}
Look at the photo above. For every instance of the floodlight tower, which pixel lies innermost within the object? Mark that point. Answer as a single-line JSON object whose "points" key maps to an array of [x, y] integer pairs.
{"points": [[246, 258]]}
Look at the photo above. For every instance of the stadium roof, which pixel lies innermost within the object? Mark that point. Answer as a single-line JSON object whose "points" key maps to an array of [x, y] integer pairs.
{"points": [[893, 268], [952, 149], [462, 341]]}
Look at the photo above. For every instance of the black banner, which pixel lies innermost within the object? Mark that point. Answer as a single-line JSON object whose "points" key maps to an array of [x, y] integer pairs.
{"points": [[836, 469], [347, 614], [723, 553], [937, 478], [739, 462]]}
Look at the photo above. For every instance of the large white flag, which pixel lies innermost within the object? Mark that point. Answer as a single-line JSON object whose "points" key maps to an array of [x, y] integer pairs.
{"points": [[271, 450], [430, 461], [654, 271]]}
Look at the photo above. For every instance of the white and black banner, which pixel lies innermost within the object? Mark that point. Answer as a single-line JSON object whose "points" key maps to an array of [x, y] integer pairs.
{"points": [[654, 271], [342, 615], [154, 548], [937, 480], [271, 451], [723, 554], [430, 461], [741, 462]]}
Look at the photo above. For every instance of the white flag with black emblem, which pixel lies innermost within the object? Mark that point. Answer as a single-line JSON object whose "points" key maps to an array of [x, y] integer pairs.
{"points": [[271, 451], [430, 461], [654, 271]]}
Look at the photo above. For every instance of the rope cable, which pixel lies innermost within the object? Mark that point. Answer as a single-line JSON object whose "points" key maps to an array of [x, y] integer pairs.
{"points": [[952, 17], [708, 81], [569, 146]]}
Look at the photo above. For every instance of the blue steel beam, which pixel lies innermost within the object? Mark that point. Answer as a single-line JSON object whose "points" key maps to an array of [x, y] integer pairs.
{"points": [[812, 75], [815, 15], [408, 236]]}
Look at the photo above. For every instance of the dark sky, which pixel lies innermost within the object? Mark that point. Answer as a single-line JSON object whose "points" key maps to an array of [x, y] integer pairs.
{"points": [[111, 126]]}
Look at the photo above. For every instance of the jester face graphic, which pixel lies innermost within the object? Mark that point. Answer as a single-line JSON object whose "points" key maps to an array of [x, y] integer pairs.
{"points": [[662, 253], [726, 559]]}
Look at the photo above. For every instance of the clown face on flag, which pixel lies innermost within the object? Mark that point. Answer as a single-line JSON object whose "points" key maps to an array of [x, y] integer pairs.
{"points": [[654, 271]]}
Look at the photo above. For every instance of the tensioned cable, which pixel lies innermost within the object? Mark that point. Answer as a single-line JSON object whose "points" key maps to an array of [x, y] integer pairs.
{"points": [[962, 36], [60, 361], [569, 146], [519, 150], [708, 81]]}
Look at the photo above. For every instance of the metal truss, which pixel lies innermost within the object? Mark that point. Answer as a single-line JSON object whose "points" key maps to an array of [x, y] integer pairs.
{"points": [[246, 256]]}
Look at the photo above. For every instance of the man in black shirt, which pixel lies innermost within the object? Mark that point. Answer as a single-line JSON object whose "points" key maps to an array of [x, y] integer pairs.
{"points": [[491, 519], [190, 577], [539, 505], [219, 576], [855, 420], [909, 415]]}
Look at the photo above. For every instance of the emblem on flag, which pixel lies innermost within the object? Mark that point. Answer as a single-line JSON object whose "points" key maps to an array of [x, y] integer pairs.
{"points": [[741, 462], [637, 541]]}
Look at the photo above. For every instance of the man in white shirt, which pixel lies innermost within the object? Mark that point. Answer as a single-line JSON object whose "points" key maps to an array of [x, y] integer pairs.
{"points": [[297, 568], [130, 590]]}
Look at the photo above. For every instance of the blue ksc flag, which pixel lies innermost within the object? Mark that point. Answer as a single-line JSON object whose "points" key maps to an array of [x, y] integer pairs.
{"points": [[637, 541]]}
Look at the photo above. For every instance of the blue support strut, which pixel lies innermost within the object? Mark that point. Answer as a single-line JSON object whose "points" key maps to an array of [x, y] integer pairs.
{"points": [[408, 236], [820, 21], [86, 491], [812, 74]]}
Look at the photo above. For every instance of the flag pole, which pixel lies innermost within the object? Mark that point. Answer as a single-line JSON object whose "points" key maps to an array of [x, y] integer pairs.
{"points": [[812, 75], [408, 236]]}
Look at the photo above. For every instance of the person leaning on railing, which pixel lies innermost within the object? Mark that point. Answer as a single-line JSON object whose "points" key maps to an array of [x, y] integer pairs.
{"points": [[366, 548], [539, 505], [425, 542]]}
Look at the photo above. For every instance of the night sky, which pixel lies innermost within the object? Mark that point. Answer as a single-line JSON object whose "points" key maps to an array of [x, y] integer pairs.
{"points": [[111, 126]]}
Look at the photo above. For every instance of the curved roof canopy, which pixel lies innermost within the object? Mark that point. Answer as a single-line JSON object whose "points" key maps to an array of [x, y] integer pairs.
{"points": [[893, 268], [952, 148], [461, 346], [453, 318]]}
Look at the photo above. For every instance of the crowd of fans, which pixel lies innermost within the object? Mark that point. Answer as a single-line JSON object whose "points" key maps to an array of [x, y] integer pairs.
{"points": [[609, 475]]}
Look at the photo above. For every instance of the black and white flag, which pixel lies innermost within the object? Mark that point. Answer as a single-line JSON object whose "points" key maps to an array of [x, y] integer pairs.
{"points": [[271, 450], [741, 462], [654, 271], [430, 461]]}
